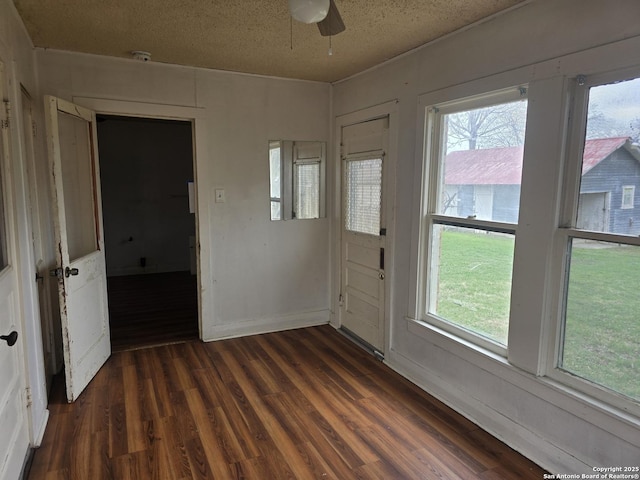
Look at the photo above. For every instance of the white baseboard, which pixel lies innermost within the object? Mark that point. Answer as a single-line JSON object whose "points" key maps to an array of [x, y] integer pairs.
{"points": [[524, 441], [257, 326]]}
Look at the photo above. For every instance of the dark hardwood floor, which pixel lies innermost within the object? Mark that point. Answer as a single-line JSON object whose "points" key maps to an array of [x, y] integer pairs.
{"points": [[300, 404], [152, 309]]}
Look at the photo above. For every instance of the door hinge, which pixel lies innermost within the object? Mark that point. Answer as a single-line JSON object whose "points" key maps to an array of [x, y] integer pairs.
{"points": [[4, 124], [340, 300], [34, 129]]}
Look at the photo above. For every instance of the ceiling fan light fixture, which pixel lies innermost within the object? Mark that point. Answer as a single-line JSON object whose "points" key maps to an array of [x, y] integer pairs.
{"points": [[309, 11]]}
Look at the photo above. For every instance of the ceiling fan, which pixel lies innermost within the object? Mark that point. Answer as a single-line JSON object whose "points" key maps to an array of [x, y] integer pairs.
{"points": [[323, 12]]}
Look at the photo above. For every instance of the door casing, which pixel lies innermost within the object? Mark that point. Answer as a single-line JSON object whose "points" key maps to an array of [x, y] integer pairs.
{"points": [[196, 117], [389, 110]]}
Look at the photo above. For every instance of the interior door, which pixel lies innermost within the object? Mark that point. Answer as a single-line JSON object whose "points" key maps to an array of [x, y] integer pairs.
{"points": [[363, 231], [14, 436], [81, 268]]}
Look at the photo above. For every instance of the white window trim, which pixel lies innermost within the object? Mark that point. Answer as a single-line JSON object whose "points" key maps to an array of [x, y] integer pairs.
{"points": [[578, 91], [533, 336], [628, 188], [430, 197], [288, 183]]}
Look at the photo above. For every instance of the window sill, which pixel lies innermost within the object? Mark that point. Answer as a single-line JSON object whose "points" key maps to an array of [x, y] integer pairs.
{"points": [[433, 333]]}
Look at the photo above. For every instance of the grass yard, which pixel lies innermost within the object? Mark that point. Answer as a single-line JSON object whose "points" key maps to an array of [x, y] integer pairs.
{"points": [[602, 334], [475, 282]]}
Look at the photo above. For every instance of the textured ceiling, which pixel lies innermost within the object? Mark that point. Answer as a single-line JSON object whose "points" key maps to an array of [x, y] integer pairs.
{"points": [[251, 36]]}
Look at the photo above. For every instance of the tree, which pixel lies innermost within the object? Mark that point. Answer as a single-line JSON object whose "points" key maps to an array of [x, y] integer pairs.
{"points": [[600, 125], [501, 125]]}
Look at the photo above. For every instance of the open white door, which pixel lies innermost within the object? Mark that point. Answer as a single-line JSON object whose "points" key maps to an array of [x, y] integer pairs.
{"points": [[363, 231], [14, 434], [81, 272]]}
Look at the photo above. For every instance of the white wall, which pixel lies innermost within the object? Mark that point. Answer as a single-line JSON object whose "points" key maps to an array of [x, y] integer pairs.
{"points": [[256, 275], [539, 43]]}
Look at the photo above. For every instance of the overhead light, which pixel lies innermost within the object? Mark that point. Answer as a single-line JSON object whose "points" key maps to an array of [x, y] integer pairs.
{"points": [[309, 11]]}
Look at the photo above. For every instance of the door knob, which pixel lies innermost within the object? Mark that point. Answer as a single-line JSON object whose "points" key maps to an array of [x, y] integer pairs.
{"points": [[70, 271], [10, 339], [381, 275]]}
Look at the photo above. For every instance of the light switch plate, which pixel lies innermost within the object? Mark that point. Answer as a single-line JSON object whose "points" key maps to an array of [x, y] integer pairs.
{"points": [[220, 197]]}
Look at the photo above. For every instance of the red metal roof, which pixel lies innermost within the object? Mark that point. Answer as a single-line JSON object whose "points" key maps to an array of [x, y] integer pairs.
{"points": [[597, 150], [491, 166], [503, 166]]}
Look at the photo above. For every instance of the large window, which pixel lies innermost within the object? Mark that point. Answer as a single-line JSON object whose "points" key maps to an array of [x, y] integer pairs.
{"points": [[600, 326], [472, 206]]}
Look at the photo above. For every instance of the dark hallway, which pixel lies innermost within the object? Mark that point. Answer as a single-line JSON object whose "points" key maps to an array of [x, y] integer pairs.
{"points": [[152, 309]]}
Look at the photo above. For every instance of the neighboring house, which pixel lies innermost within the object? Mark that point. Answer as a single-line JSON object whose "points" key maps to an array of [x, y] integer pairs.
{"points": [[486, 184]]}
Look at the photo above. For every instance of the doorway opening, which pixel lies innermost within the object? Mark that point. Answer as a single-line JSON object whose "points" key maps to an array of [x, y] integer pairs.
{"points": [[146, 168]]}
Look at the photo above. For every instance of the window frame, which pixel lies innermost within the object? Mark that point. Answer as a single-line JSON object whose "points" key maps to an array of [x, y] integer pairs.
{"points": [[566, 230], [430, 193], [272, 145], [628, 205], [289, 160], [367, 156]]}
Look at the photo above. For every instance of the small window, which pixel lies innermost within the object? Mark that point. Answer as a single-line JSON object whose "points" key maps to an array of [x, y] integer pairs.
{"points": [[275, 184], [297, 179], [628, 192], [474, 174]]}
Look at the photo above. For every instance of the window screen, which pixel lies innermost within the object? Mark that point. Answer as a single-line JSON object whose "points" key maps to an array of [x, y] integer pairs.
{"points": [[307, 191], [363, 195]]}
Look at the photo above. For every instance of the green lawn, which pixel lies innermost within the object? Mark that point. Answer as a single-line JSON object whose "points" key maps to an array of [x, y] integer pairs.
{"points": [[475, 282], [602, 334]]}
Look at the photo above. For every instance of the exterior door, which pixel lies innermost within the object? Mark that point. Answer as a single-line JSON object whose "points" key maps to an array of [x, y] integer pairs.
{"points": [[593, 212], [14, 436], [363, 231], [81, 272]]}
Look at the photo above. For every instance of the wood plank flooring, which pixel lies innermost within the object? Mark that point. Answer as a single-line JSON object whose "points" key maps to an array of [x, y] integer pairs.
{"points": [[152, 309], [300, 404]]}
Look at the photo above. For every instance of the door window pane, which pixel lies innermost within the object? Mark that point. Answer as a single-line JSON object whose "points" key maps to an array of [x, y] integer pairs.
{"points": [[78, 184], [471, 279], [363, 195], [3, 233], [602, 327]]}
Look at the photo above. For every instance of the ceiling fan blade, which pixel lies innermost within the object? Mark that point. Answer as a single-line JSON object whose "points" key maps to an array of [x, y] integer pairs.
{"points": [[332, 24]]}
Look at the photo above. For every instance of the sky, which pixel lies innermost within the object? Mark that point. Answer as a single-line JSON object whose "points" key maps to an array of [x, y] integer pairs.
{"points": [[620, 101]]}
